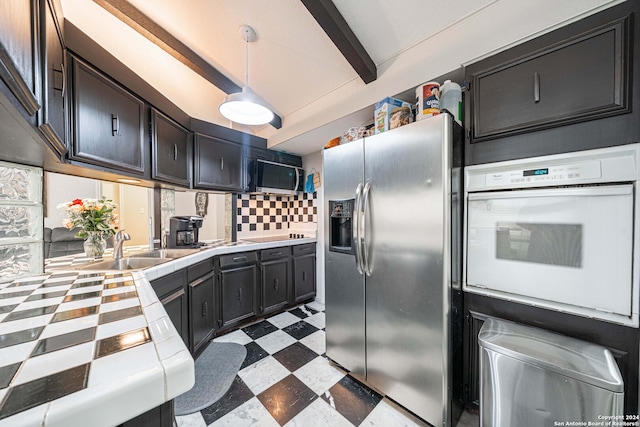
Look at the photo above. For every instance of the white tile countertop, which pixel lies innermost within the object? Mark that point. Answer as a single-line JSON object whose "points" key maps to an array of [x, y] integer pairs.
{"points": [[82, 347]]}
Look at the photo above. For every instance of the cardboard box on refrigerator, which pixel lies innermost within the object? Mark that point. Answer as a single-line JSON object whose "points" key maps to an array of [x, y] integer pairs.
{"points": [[391, 113]]}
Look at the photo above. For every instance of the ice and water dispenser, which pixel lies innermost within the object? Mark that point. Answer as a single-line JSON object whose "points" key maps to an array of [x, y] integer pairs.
{"points": [[341, 226]]}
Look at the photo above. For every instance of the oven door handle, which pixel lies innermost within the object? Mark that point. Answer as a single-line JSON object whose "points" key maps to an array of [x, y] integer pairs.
{"points": [[593, 191]]}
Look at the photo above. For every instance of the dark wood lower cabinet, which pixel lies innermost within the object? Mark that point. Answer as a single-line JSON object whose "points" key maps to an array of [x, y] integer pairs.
{"points": [[227, 291], [304, 272], [275, 284], [171, 292], [201, 311], [237, 294], [160, 416]]}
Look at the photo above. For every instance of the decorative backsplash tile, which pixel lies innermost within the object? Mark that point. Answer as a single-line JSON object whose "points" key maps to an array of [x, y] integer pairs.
{"points": [[262, 212], [21, 221], [303, 208]]}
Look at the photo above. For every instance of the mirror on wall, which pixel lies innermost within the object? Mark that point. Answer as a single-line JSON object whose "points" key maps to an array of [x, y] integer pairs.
{"points": [[135, 205]]}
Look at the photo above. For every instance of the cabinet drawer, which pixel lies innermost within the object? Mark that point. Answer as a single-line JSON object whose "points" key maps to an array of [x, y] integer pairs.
{"points": [[305, 249], [275, 253], [238, 259], [200, 269], [560, 84], [169, 283]]}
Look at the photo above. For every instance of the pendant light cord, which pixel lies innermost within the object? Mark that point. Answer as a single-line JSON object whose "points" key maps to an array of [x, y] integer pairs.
{"points": [[246, 58]]}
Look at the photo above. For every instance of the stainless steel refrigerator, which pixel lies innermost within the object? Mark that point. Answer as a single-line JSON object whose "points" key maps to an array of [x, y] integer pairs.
{"points": [[389, 219]]}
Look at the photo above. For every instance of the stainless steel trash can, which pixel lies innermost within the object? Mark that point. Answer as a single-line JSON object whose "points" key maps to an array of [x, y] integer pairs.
{"points": [[532, 377]]}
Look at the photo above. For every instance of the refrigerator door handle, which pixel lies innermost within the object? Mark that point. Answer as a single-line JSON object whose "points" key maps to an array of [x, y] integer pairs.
{"points": [[355, 230], [364, 237]]}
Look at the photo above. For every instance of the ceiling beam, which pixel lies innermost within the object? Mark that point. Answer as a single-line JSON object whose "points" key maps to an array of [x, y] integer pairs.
{"points": [[334, 24], [153, 32]]}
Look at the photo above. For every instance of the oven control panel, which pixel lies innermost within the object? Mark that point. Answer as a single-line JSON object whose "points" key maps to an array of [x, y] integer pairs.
{"points": [[545, 175]]}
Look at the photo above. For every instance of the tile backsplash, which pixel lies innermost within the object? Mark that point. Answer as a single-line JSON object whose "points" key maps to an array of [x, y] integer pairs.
{"points": [[263, 213], [21, 221]]}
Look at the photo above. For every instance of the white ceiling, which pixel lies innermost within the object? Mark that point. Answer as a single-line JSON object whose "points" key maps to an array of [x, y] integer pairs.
{"points": [[296, 68]]}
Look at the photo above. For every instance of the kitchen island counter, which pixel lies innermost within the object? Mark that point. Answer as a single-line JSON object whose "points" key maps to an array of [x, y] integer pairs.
{"points": [[83, 347]]}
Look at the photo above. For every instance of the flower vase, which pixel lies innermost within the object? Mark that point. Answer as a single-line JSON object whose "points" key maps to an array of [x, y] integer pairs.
{"points": [[94, 244]]}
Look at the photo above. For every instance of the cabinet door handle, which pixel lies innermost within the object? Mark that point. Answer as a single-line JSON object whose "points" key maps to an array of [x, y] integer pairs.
{"points": [[64, 79], [536, 87], [115, 124], [172, 297], [57, 84], [205, 309], [304, 276], [276, 253], [175, 151], [239, 258], [221, 163], [307, 249], [239, 294], [275, 283]]}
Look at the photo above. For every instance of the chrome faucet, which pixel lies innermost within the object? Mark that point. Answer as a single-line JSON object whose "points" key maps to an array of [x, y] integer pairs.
{"points": [[118, 241]]}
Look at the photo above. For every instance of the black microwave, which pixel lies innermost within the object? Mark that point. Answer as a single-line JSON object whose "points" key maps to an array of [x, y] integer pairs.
{"points": [[277, 178]]}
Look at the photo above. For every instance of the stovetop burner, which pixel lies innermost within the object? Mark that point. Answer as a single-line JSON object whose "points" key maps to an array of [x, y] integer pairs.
{"points": [[275, 238]]}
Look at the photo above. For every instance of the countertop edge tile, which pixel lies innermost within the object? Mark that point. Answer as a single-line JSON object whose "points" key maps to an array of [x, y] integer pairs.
{"points": [[112, 404], [169, 347], [146, 293], [162, 329], [154, 312], [180, 374], [31, 417]]}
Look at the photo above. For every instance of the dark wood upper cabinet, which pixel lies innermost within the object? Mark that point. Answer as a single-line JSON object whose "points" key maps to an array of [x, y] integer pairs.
{"points": [[171, 150], [52, 117], [108, 122], [580, 78], [218, 164], [18, 51], [575, 88]]}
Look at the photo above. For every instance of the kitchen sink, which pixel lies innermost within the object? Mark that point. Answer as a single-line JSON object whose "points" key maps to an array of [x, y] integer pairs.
{"points": [[130, 263], [166, 253]]}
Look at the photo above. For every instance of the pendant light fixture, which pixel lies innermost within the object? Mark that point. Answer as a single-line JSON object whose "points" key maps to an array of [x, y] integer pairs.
{"points": [[246, 107]]}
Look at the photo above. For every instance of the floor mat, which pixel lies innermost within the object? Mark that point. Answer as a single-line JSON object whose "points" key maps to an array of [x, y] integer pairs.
{"points": [[215, 369]]}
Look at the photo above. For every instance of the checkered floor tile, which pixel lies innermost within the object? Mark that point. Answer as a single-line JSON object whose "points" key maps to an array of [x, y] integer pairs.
{"points": [[286, 380]]}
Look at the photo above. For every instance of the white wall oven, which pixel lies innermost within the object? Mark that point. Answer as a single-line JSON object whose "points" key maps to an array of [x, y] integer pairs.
{"points": [[558, 232]]}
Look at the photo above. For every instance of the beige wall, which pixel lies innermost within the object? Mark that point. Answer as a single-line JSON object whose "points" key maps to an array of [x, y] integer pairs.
{"points": [[134, 213]]}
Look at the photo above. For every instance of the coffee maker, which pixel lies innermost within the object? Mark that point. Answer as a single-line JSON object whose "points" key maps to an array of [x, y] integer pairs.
{"points": [[183, 231]]}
